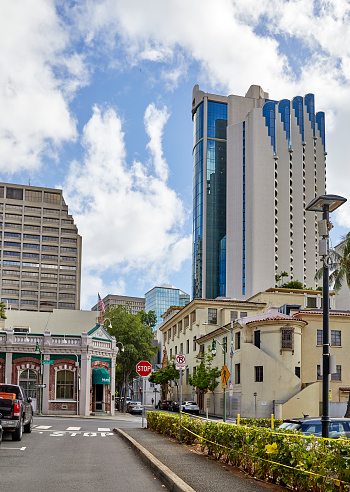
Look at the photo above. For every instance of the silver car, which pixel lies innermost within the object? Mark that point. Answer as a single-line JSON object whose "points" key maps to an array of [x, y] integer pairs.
{"points": [[190, 407]]}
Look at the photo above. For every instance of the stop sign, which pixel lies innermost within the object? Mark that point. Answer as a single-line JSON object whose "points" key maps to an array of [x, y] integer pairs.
{"points": [[143, 368]]}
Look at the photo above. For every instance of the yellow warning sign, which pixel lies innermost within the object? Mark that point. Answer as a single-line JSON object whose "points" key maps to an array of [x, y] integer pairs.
{"points": [[225, 375]]}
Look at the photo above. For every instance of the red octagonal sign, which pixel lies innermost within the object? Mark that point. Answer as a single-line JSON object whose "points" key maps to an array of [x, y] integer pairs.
{"points": [[144, 368]]}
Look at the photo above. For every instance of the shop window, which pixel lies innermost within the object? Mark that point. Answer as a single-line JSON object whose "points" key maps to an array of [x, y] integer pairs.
{"points": [[28, 379], [65, 385]]}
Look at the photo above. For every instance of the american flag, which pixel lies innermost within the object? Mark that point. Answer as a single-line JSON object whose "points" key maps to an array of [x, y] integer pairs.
{"points": [[101, 303]]}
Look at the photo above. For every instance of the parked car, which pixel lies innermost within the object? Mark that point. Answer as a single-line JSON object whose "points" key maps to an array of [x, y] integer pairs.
{"points": [[16, 410], [174, 406], [338, 427], [134, 407], [190, 407], [164, 405]]}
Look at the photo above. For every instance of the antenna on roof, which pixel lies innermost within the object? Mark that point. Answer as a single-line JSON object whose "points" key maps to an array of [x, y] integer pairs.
{"points": [[28, 181]]}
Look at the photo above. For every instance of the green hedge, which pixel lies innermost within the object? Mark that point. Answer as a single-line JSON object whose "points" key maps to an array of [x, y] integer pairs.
{"points": [[284, 457]]}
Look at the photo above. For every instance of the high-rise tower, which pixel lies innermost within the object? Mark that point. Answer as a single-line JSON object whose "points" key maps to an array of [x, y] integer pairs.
{"points": [[257, 163]]}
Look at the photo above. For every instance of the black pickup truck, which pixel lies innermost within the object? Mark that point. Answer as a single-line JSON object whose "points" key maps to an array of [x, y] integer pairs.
{"points": [[16, 410]]}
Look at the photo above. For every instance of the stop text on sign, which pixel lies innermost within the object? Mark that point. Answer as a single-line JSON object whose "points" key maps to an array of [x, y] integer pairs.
{"points": [[143, 368]]}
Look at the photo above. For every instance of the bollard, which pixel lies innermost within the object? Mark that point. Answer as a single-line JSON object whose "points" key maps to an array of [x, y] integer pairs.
{"points": [[238, 418], [272, 421]]}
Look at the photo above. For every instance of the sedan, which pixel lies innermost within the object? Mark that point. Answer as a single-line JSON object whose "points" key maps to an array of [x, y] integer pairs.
{"points": [[190, 407], [164, 405], [134, 407], [338, 427], [174, 406]]}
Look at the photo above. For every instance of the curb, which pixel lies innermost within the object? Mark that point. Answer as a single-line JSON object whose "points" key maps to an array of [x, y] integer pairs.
{"points": [[168, 477]]}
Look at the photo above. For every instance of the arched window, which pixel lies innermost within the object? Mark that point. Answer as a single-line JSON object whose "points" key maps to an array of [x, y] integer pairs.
{"points": [[65, 385], [28, 380]]}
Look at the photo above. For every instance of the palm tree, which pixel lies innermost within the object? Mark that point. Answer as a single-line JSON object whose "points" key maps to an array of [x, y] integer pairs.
{"points": [[339, 264], [340, 273]]}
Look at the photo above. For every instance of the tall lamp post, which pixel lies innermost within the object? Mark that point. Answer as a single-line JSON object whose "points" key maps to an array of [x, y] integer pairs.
{"points": [[38, 350], [325, 204]]}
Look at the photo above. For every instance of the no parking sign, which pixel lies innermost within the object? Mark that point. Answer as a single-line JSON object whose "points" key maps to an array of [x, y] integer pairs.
{"points": [[180, 362]]}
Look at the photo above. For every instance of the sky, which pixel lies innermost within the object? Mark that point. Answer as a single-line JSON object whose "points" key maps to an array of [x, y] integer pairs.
{"points": [[95, 99]]}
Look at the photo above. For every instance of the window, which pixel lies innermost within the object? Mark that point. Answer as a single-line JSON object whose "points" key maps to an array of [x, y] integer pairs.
{"points": [[193, 317], [257, 338], [212, 316], [12, 234], [319, 337], [311, 302], [259, 374], [243, 314], [337, 375], [14, 193], [171, 353], [287, 338], [234, 315], [65, 384], [194, 344], [297, 371], [187, 346], [28, 380], [238, 340], [336, 338], [319, 375], [181, 348], [33, 196], [175, 349], [52, 197], [187, 374], [30, 236], [237, 373]]}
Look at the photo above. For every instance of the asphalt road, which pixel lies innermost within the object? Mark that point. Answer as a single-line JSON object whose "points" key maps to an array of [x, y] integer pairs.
{"points": [[72, 454]]}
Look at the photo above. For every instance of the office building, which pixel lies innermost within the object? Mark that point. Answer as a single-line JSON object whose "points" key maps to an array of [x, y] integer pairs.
{"points": [[135, 304], [257, 163], [159, 299], [41, 250]]}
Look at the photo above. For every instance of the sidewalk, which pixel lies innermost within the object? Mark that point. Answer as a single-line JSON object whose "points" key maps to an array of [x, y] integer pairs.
{"points": [[183, 470]]}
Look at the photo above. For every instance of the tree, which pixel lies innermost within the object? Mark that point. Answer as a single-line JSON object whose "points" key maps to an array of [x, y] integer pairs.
{"points": [[164, 376], [136, 338], [293, 284], [2, 311], [148, 319], [339, 264], [280, 276], [204, 378]]}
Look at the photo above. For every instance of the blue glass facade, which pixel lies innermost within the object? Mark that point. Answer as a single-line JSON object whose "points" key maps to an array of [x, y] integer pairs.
{"points": [[298, 106], [269, 112], [284, 110], [310, 108], [160, 299], [215, 200], [320, 117]]}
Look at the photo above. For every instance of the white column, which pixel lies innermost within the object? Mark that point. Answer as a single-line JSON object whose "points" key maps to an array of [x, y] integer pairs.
{"points": [[8, 368]]}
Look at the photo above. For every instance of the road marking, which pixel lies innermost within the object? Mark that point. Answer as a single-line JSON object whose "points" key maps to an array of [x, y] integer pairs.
{"points": [[73, 428], [90, 434], [104, 429], [43, 427], [20, 449]]}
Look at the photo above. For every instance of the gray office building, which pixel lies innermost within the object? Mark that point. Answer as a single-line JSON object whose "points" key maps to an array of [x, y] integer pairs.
{"points": [[134, 304], [40, 250]]}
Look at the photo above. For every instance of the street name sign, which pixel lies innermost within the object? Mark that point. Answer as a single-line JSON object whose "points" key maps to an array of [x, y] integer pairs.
{"points": [[180, 362], [144, 368], [47, 361]]}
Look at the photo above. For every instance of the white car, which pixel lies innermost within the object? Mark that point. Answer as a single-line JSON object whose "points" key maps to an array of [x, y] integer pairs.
{"points": [[190, 407]]}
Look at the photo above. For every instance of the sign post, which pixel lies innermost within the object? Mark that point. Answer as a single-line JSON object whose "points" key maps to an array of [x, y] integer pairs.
{"points": [[180, 362], [143, 369]]}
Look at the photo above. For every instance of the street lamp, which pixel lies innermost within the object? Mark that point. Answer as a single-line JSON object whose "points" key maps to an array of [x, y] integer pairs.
{"points": [[231, 357], [224, 348], [122, 349], [325, 204], [38, 350]]}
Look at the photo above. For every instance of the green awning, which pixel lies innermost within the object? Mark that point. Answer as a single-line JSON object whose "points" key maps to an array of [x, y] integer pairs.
{"points": [[100, 375]]}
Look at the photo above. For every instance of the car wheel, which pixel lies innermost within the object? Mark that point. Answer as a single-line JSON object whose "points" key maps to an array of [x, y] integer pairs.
{"points": [[17, 434], [28, 427]]}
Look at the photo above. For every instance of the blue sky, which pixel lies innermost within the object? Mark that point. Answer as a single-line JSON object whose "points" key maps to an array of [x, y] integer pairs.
{"points": [[95, 98]]}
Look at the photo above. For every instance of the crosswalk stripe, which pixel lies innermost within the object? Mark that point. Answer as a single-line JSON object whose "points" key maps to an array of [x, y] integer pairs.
{"points": [[43, 427], [104, 429], [73, 428]]}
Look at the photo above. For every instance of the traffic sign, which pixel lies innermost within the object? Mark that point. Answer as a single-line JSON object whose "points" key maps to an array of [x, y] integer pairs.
{"points": [[180, 362], [225, 374], [47, 361], [144, 368]]}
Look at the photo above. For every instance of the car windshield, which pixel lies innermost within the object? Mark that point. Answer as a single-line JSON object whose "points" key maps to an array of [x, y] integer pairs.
{"points": [[290, 425]]}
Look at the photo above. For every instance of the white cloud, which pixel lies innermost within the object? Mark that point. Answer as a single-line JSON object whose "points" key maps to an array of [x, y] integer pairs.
{"points": [[38, 75], [128, 216]]}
